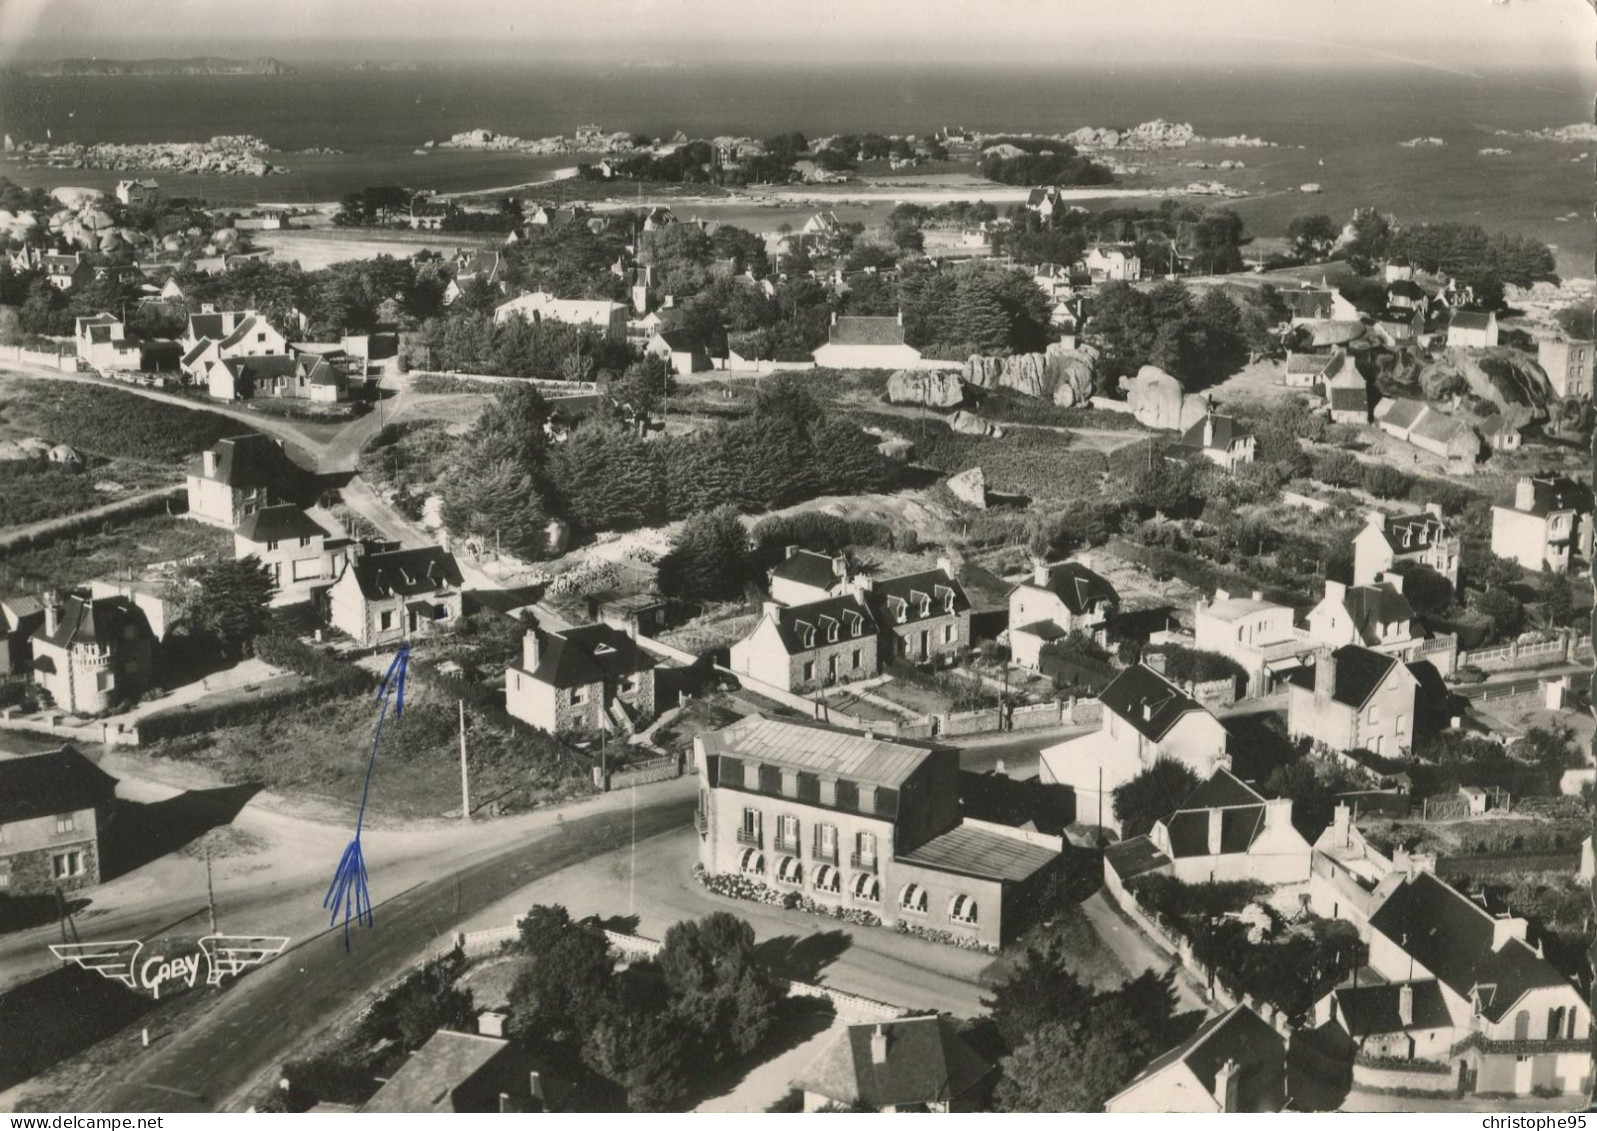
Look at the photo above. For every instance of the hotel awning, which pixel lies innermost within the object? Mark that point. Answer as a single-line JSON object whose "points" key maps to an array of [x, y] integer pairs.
{"points": [[827, 878], [752, 861], [789, 870]]}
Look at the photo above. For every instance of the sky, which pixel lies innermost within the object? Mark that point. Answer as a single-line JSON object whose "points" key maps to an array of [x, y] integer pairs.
{"points": [[1458, 35]]}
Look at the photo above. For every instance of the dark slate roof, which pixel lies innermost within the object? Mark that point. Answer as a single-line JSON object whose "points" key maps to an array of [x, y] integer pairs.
{"points": [[680, 341], [1372, 1010], [1470, 319], [1240, 1036], [884, 596], [1221, 790], [199, 347], [1406, 288], [1147, 700], [1440, 427], [969, 851], [1078, 587], [1135, 857], [1347, 398], [1399, 315], [405, 573], [43, 785], [1407, 533], [1189, 830], [262, 368], [1374, 605], [927, 1062], [819, 616], [1226, 433], [85, 620], [1359, 672], [1559, 494], [427, 1081], [247, 325], [212, 326], [807, 568], [275, 523], [1451, 936], [589, 653], [1309, 362], [245, 462], [861, 330], [1400, 412]]}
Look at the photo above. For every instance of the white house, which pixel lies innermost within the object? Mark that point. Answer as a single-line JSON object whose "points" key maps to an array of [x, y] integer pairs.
{"points": [[1055, 601], [300, 555], [1377, 616], [803, 576], [1549, 525], [1424, 538], [1226, 830], [539, 306], [1261, 636], [1145, 718], [1233, 1063], [861, 342], [1112, 265], [103, 342], [1216, 438], [1472, 329]]}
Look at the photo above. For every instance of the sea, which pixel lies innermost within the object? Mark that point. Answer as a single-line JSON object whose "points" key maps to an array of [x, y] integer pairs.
{"points": [[1338, 127]]}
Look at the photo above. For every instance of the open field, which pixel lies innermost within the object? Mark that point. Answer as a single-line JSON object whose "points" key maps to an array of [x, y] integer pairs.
{"points": [[134, 545], [315, 248], [107, 421]]}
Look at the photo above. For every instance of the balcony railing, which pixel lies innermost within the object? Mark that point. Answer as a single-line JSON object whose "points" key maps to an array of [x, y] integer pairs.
{"points": [[865, 862], [751, 838], [825, 855], [701, 821], [788, 845]]}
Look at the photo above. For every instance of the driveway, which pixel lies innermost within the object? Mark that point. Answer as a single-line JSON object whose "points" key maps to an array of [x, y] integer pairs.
{"points": [[1137, 951]]}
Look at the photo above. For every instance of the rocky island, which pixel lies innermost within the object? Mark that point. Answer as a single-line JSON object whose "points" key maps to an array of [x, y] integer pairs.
{"points": [[235, 155]]}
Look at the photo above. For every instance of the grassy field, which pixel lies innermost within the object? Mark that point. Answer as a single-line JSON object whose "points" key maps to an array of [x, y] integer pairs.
{"points": [[134, 545], [321, 750], [108, 422]]}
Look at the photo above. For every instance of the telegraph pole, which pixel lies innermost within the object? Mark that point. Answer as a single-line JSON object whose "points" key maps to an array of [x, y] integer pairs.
{"points": [[210, 889], [465, 781]]}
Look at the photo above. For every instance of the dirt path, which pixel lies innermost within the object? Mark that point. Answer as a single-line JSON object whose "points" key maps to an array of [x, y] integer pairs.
{"points": [[23, 535]]}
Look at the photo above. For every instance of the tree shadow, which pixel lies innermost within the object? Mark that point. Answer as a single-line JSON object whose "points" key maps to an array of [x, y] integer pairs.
{"points": [[23, 912], [803, 958], [1319, 1068], [621, 924], [59, 1014], [798, 1019], [142, 832]]}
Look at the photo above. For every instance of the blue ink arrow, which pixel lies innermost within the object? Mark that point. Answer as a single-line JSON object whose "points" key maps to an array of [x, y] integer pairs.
{"points": [[349, 894]]}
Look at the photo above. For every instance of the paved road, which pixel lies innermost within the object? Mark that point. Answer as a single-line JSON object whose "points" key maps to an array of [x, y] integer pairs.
{"points": [[219, 1059], [1135, 950]]}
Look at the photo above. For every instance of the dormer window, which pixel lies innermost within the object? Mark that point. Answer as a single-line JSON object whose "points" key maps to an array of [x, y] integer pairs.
{"points": [[831, 632], [854, 622], [806, 634]]}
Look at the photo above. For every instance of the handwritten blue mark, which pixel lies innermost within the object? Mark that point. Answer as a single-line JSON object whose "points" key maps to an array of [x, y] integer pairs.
{"points": [[349, 894]]}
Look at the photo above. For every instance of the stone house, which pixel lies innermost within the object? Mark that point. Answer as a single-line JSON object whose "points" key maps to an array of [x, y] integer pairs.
{"points": [[585, 679], [1353, 698], [1145, 717], [1216, 438], [300, 555], [1548, 527], [913, 1064], [1055, 601], [865, 823], [140, 191], [799, 648], [54, 810], [90, 653], [396, 595], [1376, 615], [235, 477], [1425, 538], [922, 617], [1233, 1063]]}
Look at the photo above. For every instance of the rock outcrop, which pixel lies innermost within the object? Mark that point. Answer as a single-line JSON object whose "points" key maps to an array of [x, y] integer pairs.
{"points": [[1062, 375], [970, 487], [1503, 380], [935, 388], [1157, 400], [969, 424]]}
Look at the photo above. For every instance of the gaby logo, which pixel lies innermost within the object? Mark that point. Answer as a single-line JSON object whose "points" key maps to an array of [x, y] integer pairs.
{"points": [[125, 961]]}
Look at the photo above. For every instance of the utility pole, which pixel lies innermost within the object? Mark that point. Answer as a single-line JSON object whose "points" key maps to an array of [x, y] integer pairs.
{"points": [[632, 883], [210, 889], [465, 781]]}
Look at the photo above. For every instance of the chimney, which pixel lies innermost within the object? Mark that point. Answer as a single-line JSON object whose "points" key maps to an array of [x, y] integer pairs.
{"points": [[1507, 928], [1342, 825], [770, 608], [1405, 1004], [1208, 431], [1222, 594], [491, 1024], [1216, 821], [210, 461], [879, 1045], [1277, 812], [1335, 590], [1225, 1086], [1039, 573], [530, 650], [839, 566], [834, 318], [535, 1084], [947, 566], [1154, 661], [52, 614], [1434, 509], [1395, 580], [1325, 674], [901, 316], [1258, 594], [791, 550], [1524, 494], [504, 1104]]}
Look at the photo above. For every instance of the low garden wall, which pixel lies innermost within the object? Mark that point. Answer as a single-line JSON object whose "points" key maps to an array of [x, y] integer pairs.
{"points": [[1382, 1074], [664, 768]]}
